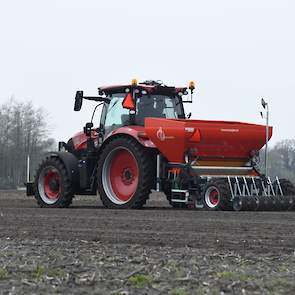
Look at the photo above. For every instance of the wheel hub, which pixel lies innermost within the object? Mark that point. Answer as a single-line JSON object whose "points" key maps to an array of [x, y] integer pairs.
{"points": [[214, 197], [53, 184], [127, 176]]}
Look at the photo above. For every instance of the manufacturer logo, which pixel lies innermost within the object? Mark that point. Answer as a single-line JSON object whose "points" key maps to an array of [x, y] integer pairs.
{"points": [[161, 134]]}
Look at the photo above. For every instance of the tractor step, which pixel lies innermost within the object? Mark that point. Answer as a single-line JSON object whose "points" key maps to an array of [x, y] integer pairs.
{"points": [[179, 196]]}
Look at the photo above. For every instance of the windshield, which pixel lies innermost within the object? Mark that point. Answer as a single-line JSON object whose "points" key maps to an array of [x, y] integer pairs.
{"points": [[158, 106]]}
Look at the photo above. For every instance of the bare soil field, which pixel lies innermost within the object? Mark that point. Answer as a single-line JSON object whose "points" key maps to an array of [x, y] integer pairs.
{"points": [[87, 249]]}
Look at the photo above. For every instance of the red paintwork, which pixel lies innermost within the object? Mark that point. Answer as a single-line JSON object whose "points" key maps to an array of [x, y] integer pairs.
{"points": [[124, 175], [48, 177], [80, 140], [133, 131], [213, 141], [217, 140], [214, 197]]}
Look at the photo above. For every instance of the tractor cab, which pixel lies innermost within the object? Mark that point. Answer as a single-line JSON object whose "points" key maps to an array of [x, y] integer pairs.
{"points": [[127, 105], [131, 104]]}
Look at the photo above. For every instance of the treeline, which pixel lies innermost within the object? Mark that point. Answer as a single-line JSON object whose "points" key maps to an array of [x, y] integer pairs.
{"points": [[23, 131], [282, 160]]}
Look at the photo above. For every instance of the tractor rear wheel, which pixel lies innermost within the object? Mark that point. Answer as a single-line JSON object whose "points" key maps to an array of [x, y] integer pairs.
{"points": [[216, 195], [125, 174], [53, 187]]}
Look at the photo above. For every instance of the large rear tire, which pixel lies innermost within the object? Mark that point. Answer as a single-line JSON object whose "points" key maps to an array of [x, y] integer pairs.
{"points": [[53, 187], [125, 174], [216, 195]]}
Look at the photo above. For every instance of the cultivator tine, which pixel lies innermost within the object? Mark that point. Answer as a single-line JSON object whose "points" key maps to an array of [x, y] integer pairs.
{"points": [[246, 186], [231, 188], [254, 186], [279, 186], [238, 186], [264, 188], [271, 186]]}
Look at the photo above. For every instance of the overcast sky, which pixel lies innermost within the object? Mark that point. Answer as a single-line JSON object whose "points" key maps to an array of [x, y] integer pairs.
{"points": [[236, 51]]}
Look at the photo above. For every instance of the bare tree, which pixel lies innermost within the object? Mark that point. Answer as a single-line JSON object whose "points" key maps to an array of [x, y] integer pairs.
{"points": [[281, 160], [24, 131]]}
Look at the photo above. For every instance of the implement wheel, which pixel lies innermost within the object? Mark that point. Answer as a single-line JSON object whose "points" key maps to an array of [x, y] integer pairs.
{"points": [[52, 184], [125, 174], [288, 200], [216, 195]]}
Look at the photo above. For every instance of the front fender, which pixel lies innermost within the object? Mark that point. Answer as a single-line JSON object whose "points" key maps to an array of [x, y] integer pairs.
{"points": [[133, 131]]}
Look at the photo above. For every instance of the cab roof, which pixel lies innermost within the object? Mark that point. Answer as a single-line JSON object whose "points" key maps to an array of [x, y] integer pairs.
{"points": [[151, 87]]}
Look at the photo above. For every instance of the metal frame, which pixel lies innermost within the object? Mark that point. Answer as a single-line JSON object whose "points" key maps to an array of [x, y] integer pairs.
{"points": [[238, 179], [247, 186]]}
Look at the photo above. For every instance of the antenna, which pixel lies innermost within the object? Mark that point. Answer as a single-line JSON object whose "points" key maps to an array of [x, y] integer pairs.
{"points": [[265, 106]]}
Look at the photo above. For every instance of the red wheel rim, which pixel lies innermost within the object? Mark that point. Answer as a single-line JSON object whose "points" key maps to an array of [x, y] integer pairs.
{"points": [[214, 197], [52, 184], [123, 175]]}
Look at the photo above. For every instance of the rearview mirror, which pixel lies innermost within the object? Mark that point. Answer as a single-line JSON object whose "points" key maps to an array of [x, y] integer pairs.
{"points": [[78, 101]]}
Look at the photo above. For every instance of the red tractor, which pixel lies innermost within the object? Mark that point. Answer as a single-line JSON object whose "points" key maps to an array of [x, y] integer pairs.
{"points": [[145, 142]]}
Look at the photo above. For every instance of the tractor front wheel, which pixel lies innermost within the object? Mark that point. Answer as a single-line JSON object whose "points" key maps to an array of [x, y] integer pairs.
{"points": [[125, 174], [52, 184], [216, 195]]}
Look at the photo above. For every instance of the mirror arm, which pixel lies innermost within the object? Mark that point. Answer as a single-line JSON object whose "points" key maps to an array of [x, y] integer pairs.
{"points": [[97, 98]]}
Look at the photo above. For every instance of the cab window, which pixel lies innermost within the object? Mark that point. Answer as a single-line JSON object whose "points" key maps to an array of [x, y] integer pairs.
{"points": [[116, 115]]}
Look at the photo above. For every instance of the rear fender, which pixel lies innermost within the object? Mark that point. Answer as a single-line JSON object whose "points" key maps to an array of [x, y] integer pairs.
{"points": [[71, 164], [134, 132]]}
